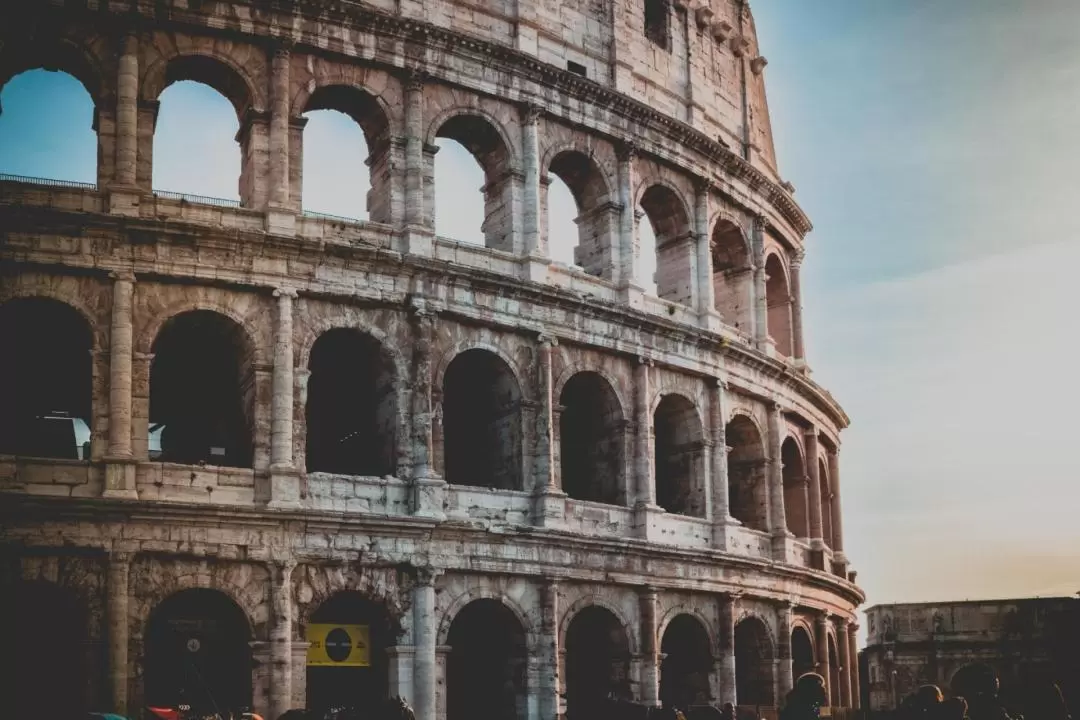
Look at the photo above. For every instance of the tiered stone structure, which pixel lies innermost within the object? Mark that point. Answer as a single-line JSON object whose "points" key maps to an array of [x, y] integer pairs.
{"points": [[532, 483]]}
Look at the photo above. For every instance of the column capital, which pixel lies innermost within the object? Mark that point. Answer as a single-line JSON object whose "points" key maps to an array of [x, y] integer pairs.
{"points": [[626, 150], [530, 112], [427, 575], [796, 258], [547, 340], [414, 79], [842, 623], [285, 292], [281, 47], [761, 222], [642, 360], [284, 566], [122, 275], [702, 185], [120, 558]]}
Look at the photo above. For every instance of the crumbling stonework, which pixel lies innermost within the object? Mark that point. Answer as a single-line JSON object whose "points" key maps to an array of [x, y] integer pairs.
{"points": [[297, 420]]}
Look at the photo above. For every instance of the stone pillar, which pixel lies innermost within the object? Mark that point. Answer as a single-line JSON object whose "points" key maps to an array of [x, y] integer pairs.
{"points": [[811, 441], [428, 488], [837, 540], [279, 217], [418, 233], [650, 648], [645, 507], [760, 299], [549, 685], [530, 163], [127, 111], [284, 480], [726, 650], [281, 652], [796, 305], [821, 631], [784, 671], [843, 648], [777, 512], [120, 463], [708, 317], [853, 664], [424, 675], [627, 273], [721, 512], [117, 598], [549, 502]]}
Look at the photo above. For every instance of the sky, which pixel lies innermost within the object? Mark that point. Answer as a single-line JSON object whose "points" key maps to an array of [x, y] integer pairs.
{"points": [[934, 146]]}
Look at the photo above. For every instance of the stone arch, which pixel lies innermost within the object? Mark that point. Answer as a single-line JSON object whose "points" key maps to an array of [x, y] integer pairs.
{"points": [[687, 662], [803, 657], [211, 67], [600, 600], [778, 300], [732, 272], [313, 585], [436, 124], [486, 670], [679, 457], [747, 482], [447, 357], [482, 593], [667, 211], [754, 652], [597, 658], [796, 488], [826, 502], [374, 114], [592, 451], [482, 423], [972, 678], [707, 624], [317, 324], [46, 380], [55, 54], [596, 250], [570, 369], [22, 287], [161, 314]]}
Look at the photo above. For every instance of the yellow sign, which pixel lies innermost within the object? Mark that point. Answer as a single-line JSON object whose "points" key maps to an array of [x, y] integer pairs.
{"points": [[335, 645]]}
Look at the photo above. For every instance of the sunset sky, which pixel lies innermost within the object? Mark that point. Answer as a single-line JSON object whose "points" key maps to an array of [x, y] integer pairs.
{"points": [[935, 146]]}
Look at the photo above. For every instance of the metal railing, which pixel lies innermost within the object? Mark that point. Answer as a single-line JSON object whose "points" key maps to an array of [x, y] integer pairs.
{"points": [[185, 197], [201, 199], [49, 182], [332, 218]]}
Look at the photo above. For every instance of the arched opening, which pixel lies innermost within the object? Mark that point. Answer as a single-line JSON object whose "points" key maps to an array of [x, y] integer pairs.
{"points": [[202, 392], [482, 422], [352, 413], [345, 130], [796, 489], [732, 276], [199, 145], [679, 457], [802, 652], [973, 680], [753, 664], [591, 440], [687, 664], [350, 669], [778, 299], [485, 672], [198, 653], [580, 228], [45, 380], [826, 503], [597, 662], [476, 137], [748, 492], [675, 251], [43, 636], [47, 126], [834, 673]]}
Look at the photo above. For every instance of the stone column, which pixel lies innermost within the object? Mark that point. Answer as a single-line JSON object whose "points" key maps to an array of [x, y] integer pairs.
{"points": [[837, 540], [284, 485], [281, 653], [119, 574], [811, 441], [843, 648], [650, 665], [530, 162], [424, 675], [778, 513], [645, 507], [726, 650], [796, 305], [419, 233], [549, 685], [721, 512], [120, 464], [853, 664], [760, 299], [784, 679], [549, 502], [127, 111], [821, 630], [279, 217], [706, 299], [626, 275], [428, 487]]}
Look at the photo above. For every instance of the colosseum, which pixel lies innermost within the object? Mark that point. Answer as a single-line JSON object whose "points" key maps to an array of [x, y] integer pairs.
{"points": [[284, 460]]}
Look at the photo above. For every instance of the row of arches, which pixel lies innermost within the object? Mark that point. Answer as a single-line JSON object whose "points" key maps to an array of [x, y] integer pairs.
{"points": [[470, 163], [203, 398], [198, 649]]}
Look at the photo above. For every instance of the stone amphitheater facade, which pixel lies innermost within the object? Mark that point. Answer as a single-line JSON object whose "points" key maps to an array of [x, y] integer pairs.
{"points": [[532, 483]]}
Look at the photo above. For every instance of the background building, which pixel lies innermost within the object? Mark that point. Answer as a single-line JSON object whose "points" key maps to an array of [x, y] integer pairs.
{"points": [[271, 457]]}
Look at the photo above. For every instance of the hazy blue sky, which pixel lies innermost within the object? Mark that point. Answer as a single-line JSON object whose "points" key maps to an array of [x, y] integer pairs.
{"points": [[934, 145]]}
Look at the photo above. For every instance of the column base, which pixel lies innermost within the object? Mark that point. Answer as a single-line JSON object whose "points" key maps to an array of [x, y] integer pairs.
{"points": [[417, 240], [767, 345], [124, 200], [549, 509], [710, 320], [400, 659], [632, 295], [783, 547], [299, 672], [720, 531], [534, 268], [120, 479], [284, 488], [646, 521], [280, 221], [428, 497]]}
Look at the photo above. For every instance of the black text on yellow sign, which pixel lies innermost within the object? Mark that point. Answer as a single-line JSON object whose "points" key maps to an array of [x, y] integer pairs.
{"points": [[335, 645]]}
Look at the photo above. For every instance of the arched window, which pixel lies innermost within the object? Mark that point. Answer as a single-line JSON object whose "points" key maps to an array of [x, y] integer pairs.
{"points": [[753, 664], [486, 668], [779, 301], [202, 392], [350, 683], [796, 490], [826, 503], [597, 661], [748, 496], [679, 457], [733, 281], [457, 211], [352, 413], [687, 664], [47, 127], [802, 652], [482, 422], [667, 215], [346, 130], [202, 102], [580, 227], [834, 674], [45, 380], [591, 440]]}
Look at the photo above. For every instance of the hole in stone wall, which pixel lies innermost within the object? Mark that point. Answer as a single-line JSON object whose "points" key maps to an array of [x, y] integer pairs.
{"points": [[687, 664], [796, 490], [597, 662], [485, 671], [732, 276], [591, 440], [753, 663], [674, 247], [679, 457], [194, 148], [747, 488], [778, 299]]}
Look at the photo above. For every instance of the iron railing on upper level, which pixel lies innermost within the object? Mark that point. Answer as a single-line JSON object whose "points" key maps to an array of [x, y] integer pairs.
{"points": [[4, 177], [201, 199]]}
